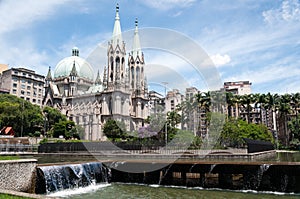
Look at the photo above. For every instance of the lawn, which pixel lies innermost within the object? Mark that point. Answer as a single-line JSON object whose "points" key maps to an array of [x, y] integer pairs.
{"points": [[5, 157]]}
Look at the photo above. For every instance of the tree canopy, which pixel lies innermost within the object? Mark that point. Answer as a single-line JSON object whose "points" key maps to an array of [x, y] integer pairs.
{"points": [[23, 116]]}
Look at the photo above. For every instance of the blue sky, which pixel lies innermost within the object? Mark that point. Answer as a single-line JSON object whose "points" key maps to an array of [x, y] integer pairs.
{"points": [[250, 40]]}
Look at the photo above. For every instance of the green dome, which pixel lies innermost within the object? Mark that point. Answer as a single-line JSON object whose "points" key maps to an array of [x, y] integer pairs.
{"points": [[83, 68]]}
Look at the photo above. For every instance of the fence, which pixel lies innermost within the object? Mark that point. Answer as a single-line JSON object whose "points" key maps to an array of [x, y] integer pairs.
{"points": [[17, 148]]}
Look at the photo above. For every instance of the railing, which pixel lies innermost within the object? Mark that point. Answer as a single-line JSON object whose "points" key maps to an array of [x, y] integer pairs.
{"points": [[129, 148], [17, 148]]}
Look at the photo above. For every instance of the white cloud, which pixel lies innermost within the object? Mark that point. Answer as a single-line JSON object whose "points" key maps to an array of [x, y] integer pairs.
{"points": [[168, 4], [289, 11], [17, 14], [220, 60], [268, 74]]}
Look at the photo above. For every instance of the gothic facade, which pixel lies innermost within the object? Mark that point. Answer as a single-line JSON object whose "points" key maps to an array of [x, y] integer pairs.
{"points": [[121, 94]]}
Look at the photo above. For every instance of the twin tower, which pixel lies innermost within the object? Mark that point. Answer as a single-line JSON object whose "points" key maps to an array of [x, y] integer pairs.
{"points": [[121, 94], [117, 73]]}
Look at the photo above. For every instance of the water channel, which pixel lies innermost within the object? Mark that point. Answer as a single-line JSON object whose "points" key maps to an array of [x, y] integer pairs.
{"points": [[131, 190]]}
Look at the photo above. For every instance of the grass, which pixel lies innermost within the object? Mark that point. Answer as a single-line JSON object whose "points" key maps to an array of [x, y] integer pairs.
{"points": [[7, 196], [5, 157]]}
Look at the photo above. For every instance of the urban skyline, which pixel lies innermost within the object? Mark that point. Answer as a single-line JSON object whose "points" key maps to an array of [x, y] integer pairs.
{"points": [[246, 40]]}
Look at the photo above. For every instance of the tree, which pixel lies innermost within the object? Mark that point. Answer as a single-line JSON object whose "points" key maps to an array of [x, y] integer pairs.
{"points": [[23, 116], [284, 109], [114, 130], [64, 128], [247, 101], [173, 118], [52, 116], [293, 126], [235, 130]]}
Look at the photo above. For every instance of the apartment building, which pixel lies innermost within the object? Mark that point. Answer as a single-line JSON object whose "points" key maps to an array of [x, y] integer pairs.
{"points": [[23, 83]]}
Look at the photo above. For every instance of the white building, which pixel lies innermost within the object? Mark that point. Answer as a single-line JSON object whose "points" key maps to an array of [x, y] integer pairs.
{"points": [[239, 87], [23, 83], [121, 94]]}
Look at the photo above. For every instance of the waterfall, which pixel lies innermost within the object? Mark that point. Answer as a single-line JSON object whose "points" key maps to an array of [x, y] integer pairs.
{"points": [[60, 177], [262, 169]]}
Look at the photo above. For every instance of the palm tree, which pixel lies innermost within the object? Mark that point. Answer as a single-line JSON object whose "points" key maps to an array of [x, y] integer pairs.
{"points": [[284, 109], [295, 103], [231, 101], [260, 103], [246, 102], [203, 101], [186, 108]]}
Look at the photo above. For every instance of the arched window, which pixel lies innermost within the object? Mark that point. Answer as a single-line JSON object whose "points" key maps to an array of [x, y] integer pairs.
{"points": [[132, 77], [118, 64], [111, 68], [110, 105], [138, 75]]}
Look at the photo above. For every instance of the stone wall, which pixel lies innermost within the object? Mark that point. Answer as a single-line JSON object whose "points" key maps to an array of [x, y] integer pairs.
{"points": [[18, 175]]}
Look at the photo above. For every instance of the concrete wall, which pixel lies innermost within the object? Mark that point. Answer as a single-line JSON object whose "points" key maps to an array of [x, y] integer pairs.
{"points": [[18, 175]]}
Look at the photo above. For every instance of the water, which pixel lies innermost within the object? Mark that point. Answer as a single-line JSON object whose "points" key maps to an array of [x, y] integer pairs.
{"points": [[138, 191], [62, 177], [118, 190]]}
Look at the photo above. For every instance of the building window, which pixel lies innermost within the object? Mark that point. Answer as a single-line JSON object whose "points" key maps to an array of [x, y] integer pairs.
{"points": [[28, 93], [29, 81], [24, 74], [15, 79], [33, 100], [27, 98], [22, 92], [39, 101], [16, 72], [28, 87], [14, 91], [23, 86], [23, 81], [15, 85]]}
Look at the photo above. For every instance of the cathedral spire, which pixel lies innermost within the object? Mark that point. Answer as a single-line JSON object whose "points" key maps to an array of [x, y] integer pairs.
{"points": [[98, 79], [136, 47], [49, 76], [117, 33], [73, 71], [104, 77]]}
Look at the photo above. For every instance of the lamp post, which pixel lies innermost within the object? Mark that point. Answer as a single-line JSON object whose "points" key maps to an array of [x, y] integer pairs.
{"points": [[166, 127]]}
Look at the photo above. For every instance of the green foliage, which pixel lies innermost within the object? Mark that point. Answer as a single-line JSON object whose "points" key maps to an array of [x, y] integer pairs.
{"points": [[23, 116], [234, 130], [52, 116], [43, 141], [63, 128], [173, 118], [114, 130], [293, 126], [9, 157]]}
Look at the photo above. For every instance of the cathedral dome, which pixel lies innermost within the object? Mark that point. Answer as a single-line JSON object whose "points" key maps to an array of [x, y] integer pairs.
{"points": [[83, 68]]}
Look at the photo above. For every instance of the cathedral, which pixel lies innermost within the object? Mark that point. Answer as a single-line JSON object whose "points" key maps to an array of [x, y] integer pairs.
{"points": [[120, 94]]}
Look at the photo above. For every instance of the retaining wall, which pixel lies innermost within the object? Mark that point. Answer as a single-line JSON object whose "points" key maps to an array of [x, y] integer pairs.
{"points": [[18, 175]]}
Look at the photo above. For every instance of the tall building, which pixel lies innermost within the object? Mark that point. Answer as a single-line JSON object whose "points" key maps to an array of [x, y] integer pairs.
{"points": [[3, 67], [239, 87], [23, 83], [173, 99], [121, 94]]}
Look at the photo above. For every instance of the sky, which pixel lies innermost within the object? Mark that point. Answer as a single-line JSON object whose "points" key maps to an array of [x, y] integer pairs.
{"points": [[246, 40]]}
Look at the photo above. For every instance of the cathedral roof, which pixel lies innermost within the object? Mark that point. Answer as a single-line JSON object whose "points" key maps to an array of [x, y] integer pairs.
{"points": [[65, 66]]}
